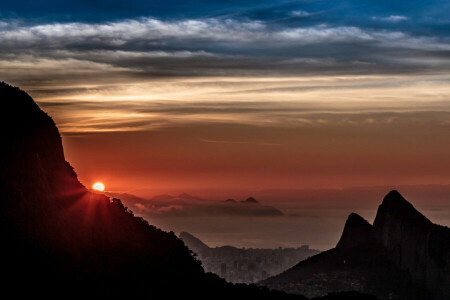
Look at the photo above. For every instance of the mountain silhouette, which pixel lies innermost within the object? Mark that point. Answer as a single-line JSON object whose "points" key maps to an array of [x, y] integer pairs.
{"points": [[357, 231], [60, 239], [250, 200], [414, 243], [194, 243], [402, 256]]}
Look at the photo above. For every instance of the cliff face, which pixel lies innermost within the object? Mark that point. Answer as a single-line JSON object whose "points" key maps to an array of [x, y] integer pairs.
{"points": [[54, 230], [59, 239], [402, 256], [414, 243]]}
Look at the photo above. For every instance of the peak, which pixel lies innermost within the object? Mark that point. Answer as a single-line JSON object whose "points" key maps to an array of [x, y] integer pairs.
{"points": [[250, 200], [23, 113], [193, 243], [185, 234], [394, 197], [356, 231], [396, 212], [395, 204], [356, 220], [229, 201]]}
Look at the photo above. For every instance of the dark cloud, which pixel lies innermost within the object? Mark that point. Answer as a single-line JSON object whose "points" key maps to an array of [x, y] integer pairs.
{"points": [[151, 47]]}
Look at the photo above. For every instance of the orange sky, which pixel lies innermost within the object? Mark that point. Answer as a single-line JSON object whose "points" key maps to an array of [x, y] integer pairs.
{"points": [[178, 134], [334, 149], [229, 100]]}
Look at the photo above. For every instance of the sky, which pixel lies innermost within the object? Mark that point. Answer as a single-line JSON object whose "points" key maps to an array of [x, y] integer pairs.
{"points": [[230, 98]]}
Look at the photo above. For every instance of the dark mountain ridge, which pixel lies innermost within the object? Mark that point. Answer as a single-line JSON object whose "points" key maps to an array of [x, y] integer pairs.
{"points": [[414, 243], [60, 240], [357, 231], [402, 256], [57, 237]]}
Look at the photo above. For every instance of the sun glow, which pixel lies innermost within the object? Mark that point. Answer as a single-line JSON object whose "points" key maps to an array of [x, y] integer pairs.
{"points": [[98, 186]]}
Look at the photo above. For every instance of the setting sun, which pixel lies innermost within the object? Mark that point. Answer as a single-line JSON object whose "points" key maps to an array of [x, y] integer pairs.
{"points": [[99, 186]]}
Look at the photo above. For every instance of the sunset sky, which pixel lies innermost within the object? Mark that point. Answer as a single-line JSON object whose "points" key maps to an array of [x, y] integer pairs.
{"points": [[233, 97]]}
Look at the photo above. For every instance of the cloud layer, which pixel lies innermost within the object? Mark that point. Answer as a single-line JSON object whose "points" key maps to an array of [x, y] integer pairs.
{"points": [[149, 47], [185, 205], [149, 72]]}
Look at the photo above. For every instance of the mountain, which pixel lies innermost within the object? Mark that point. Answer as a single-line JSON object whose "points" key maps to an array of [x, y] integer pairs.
{"points": [[59, 239], [402, 256], [414, 243], [193, 243], [357, 231], [250, 200]]}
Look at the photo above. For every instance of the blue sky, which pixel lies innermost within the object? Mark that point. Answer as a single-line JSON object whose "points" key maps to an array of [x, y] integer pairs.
{"points": [[414, 15], [236, 37]]}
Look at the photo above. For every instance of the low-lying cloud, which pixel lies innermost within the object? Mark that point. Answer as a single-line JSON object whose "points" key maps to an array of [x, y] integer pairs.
{"points": [[184, 205]]}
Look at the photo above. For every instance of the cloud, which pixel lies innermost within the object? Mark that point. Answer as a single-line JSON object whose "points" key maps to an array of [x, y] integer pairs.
{"points": [[391, 19], [205, 47], [142, 58], [223, 69], [184, 205], [300, 13]]}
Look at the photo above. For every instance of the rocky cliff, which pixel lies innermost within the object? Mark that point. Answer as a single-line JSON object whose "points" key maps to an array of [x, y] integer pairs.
{"points": [[402, 256], [59, 239], [414, 243]]}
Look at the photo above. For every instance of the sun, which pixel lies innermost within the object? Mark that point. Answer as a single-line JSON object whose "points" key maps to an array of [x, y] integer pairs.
{"points": [[98, 186]]}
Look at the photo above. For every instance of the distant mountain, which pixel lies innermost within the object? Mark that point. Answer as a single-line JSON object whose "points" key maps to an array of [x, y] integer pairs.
{"points": [[193, 243], [250, 200], [402, 256], [185, 205]]}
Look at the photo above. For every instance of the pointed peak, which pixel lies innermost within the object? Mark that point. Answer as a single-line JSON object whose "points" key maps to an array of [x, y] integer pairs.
{"points": [[193, 243], [394, 197], [394, 193], [356, 231], [356, 220], [395, 203], [396, 209]]}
